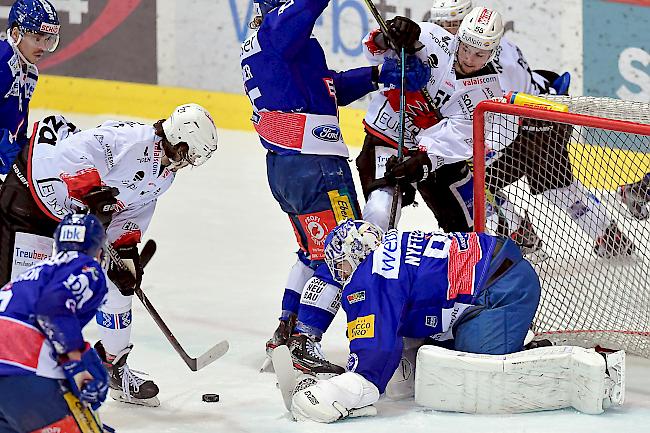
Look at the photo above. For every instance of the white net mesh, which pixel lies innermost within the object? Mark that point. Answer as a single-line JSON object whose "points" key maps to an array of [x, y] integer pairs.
{"points": [[552, 187]]}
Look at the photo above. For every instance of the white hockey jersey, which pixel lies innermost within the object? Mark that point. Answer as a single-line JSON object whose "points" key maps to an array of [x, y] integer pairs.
{"points": [[443, 125], [515, 73], [66, 163]]}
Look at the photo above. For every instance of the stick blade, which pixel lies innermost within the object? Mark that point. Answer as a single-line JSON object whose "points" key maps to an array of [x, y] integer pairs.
{"points": [[283, 366], [211, 355]]}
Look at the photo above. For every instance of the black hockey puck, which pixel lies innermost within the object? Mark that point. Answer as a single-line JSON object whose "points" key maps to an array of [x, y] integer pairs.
{"points": [[211, 398]]}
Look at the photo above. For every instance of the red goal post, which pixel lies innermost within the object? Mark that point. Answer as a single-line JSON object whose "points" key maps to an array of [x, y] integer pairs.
{"points": [[586, 300]]}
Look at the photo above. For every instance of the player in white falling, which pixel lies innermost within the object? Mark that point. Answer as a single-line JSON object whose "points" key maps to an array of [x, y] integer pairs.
{"points": [[438, 124], [117, 171], [539, 148]]}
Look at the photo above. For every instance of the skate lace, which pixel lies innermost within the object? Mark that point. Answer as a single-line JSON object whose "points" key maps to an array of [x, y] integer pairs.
{"points": [[314, 349], [130, 379]]}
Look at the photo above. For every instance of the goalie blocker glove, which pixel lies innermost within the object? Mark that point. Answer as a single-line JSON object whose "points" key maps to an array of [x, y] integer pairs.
{"points": [[413, 169], [129, 277]]}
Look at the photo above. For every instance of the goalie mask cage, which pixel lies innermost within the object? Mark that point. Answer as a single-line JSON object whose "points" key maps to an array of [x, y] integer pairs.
{"points": [[587, 299]]}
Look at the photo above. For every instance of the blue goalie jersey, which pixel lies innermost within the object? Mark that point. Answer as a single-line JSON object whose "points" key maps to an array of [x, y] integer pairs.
{"points": [[43, 311], [295, 96], [441, 275]]}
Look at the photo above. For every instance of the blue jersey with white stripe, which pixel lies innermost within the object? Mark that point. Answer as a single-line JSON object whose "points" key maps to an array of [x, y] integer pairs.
{"points": [[438, 274], [285, 71], [43, 310], [17, 84]]}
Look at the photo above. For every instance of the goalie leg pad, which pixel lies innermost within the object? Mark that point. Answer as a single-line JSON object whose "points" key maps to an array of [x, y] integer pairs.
{"points": [[533, 380], [326, 401]]}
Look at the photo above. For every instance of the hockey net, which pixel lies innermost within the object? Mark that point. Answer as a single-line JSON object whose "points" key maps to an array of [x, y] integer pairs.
{"points": [[560, 171]]}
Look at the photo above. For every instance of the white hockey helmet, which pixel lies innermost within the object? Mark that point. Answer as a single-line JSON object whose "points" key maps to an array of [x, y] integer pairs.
{"points": [[482, 28], [449, 13], [351, 241], [192, 124]]}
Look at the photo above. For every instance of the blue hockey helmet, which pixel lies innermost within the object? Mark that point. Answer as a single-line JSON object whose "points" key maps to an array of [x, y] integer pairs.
{"points": [[78, 232], [348, 244], [263, 7], [36, 16]]}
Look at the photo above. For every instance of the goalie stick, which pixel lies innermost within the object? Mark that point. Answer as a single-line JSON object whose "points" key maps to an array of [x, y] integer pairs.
{"points": [[283, 366], [195, 364]]}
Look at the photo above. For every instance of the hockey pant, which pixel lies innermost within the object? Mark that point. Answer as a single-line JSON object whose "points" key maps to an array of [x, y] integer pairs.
{"points": [[32, 403], [448, 191], [20, 213], [316, 192], [540, 153], [496, 324]]}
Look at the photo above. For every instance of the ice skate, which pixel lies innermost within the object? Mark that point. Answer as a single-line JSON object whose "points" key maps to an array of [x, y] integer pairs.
{"points": [[531, 245], [307, 357], [613, 243], [279, 338], [635, 197], [125, 385]]}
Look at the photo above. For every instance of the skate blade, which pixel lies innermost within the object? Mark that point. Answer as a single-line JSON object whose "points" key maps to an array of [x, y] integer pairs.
{"points": [[267, 366], [118, 395], [537, 256]]}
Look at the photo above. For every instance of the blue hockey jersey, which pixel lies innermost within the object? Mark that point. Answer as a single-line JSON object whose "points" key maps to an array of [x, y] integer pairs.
{"points": [[17, 84], [295, 96], [43, 311], [437, 275]]}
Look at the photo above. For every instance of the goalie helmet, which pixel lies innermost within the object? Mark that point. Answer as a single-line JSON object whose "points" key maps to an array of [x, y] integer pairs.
{"points": [[192, 124], [36, 16], [351, 241], [449, 13], [77, 232], [482, 28]]}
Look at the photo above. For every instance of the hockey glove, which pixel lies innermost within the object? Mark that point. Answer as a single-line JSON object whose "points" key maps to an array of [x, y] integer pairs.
{"points": [[8, 151], [413, 169], [129, 277], [87, 377], [417, 73], [403, 32], [102, 203]]}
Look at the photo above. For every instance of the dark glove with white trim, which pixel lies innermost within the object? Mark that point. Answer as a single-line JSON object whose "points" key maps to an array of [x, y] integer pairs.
{"points": [[416, 168], [404, 32], [101, 202], [129, 277]]}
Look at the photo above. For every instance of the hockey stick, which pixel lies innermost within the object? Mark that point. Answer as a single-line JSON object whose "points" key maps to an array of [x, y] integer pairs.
{"points": [[400, 144], [194, 364], [418, 45], [402, 107]]}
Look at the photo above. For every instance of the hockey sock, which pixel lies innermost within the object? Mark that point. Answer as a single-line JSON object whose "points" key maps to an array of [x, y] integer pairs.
{"points": [[582, 207], [114, 320]]}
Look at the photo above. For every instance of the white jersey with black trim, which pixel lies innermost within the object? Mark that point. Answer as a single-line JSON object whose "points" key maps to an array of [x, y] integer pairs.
{"points": [[66, 163], [443, 124], [515, 73]]}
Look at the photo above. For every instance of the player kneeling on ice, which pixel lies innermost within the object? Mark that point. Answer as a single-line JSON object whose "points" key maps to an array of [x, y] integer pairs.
{"points": [[48, 373], [471, 290], [118, 171]]}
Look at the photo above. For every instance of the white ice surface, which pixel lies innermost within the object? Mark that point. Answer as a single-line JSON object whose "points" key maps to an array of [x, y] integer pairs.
{"points": [[224, 251]]}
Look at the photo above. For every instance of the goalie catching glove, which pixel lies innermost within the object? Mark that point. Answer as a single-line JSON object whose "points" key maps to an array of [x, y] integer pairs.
{"points": [[348, 395], [128, 277], [415, 168]]}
